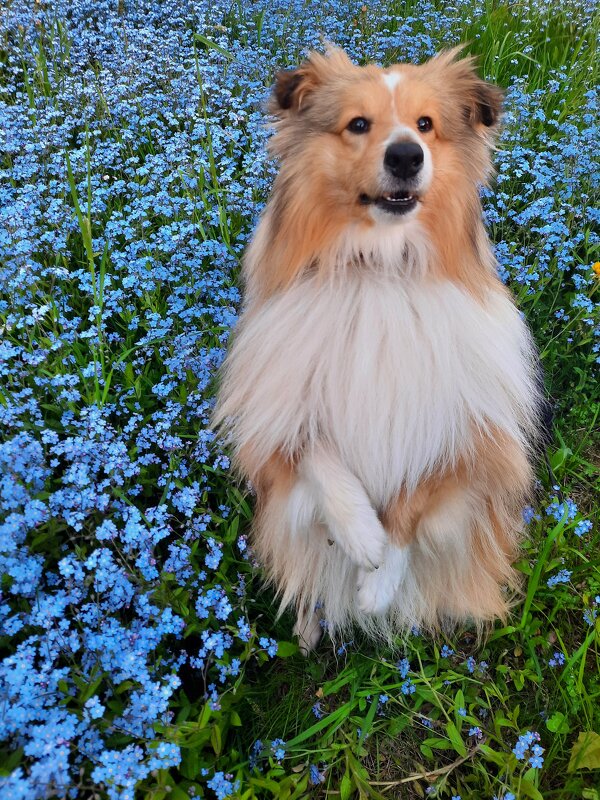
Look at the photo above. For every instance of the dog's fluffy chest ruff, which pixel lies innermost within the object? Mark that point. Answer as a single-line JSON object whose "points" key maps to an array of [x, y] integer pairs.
{"points": [[395, 374]]}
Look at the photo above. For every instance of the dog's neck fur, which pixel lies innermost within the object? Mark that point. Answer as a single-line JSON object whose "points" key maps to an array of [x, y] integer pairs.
{"points": [[385, 249], [412, 249]]}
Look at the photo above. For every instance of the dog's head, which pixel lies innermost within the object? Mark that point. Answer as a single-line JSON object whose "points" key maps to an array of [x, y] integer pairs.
{"points": [[378, 167], [384, 145]]}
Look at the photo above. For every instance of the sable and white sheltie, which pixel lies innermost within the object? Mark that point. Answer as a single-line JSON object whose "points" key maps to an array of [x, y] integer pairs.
{"points": [[381, 390]]}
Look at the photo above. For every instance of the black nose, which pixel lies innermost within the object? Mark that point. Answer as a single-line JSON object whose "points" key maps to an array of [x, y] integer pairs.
{"points": [[403, 159]]}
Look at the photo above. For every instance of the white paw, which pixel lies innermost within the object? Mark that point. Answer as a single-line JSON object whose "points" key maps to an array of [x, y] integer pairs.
{"points": [[364, 540], [377, 590]]}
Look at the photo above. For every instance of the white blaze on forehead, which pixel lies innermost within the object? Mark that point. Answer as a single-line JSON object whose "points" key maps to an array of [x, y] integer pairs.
{"points": [[391, 80]]}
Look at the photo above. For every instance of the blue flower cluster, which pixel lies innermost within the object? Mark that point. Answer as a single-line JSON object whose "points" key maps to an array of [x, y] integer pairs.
{"points": [[132, 169], [562, 576], [528, 743], [557, 659]]}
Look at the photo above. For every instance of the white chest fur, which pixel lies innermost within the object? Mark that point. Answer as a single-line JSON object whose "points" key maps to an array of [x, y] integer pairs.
{"points": [[394, 373]]}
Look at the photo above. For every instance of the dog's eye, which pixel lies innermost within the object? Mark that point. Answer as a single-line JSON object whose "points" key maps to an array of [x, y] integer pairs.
{"points": [[359, 125], [424, 124]]}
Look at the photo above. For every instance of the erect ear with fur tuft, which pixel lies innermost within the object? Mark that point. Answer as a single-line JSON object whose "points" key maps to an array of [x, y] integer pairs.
{"points": [[288, 89], [487, 104], [482, 101], [294, 86]]}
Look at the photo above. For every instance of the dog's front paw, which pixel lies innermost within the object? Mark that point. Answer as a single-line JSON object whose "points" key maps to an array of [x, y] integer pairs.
{"points": [[375, 592], [364, 540]]}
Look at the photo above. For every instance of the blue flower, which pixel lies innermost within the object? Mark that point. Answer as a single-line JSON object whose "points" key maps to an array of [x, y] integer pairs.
{"points": [[94, 708], [278, 749], [223, 785], [583, 526], [557, 659], [563, 576], [403, 667], [316, 776]]}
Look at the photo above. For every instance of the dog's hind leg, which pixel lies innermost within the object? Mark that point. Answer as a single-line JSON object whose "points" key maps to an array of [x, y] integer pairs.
{"points": [[308, 629]]}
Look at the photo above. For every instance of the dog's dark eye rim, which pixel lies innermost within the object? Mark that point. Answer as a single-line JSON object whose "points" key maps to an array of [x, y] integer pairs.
{"points": [[424, 124], [359, 125]]}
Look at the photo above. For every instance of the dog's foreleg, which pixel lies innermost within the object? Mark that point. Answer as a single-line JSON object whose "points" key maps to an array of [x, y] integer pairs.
{"points": [[345, 507]]}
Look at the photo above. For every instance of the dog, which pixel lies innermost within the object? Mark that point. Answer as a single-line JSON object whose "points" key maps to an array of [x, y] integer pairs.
{"points": [[381, 391]]}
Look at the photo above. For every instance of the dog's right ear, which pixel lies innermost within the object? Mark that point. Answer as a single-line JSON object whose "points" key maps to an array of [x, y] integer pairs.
{"points": [[293, 87]]}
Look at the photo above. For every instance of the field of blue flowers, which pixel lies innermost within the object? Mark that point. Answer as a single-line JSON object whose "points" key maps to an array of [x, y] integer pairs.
{"points": [[140, 655]]}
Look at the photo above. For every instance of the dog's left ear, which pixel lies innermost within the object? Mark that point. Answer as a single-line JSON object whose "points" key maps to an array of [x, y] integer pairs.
{"points": [[294, 87], [481, 101], [485, 105]]}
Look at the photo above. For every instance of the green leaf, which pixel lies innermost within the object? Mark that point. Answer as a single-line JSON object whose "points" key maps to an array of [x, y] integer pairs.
{"points": [[427, 751], [529, 790], [558, 723], [559, 458], [456, 739], [336, 716], [198, 739], [216, 740], [331, 687], [178, 794], [397, 725], [345, 787], [204, 716], [370, 716], [518, 678], [286, 649], [539, 566], [586, 752], [190, 763], [459, 700], [491, 755], [90, 690], [210, 45], [437, 743]]}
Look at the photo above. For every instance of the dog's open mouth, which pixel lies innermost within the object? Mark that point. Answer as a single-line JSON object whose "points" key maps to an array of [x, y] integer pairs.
{"points": [[394, 202]]}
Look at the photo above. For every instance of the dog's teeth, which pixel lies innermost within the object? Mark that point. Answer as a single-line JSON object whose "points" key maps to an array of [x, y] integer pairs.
{"points": [[390, 198]]}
